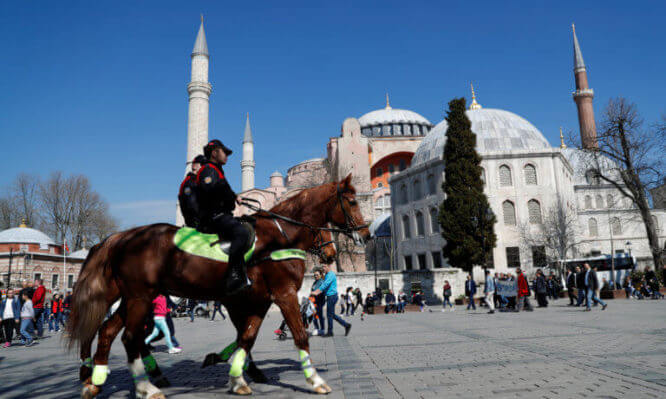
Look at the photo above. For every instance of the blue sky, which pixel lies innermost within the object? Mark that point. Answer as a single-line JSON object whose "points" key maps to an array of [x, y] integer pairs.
{"points": [[100, 88]]}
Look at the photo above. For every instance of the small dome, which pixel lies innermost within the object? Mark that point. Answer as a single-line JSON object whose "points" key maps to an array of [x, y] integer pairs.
{"points": [[495, 129], [390, 116], [25, 235], [80, 254], [276, 174]]}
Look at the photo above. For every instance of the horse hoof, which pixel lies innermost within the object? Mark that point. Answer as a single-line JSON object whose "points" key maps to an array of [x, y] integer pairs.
{"points": [[244, 390], [157, 395], [322, 389], [89, 391], [239, 386]]}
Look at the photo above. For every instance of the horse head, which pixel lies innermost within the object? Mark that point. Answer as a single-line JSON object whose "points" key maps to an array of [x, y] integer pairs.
{"points": [[345, 212]]}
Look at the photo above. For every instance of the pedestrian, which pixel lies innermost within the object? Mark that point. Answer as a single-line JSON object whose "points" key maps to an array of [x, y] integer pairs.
{"points": [[329, 287], [27, 316], [571, 285], [320, 300], [343, 303], [592, 284], [402, 301], [523, 292], [541, 288], [10, 315], [217, 308], [349, 301], [446, 293], [580, 286], [553, 287], [38, 305], [358, 300], [191, 303], [489, 291], [390, 302], [159, 315], [55, 310], [470, 291], [66, 307], [496, 298]]}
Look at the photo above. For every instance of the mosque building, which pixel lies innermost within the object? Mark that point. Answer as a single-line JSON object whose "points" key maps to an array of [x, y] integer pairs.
{"points": [[395, 158]]}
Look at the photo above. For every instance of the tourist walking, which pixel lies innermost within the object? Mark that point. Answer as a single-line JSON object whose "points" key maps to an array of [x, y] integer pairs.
{"points": [[349, 301], [571, 284], [320, 300], [55, 314], [489, 291], [592, 284], [446, 293], [38, 305], [27, 316], [580, 286], [541, 288], [523, 292], [217, 308], [329, 287], [10, 316], [159, 315], [470, 290]]}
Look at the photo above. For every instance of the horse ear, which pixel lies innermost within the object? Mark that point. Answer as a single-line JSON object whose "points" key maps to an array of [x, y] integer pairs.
{"points": [[346, 182]]}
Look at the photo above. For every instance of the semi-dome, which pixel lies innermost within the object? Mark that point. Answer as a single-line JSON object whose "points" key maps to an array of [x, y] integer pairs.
{"points": [[496, 131], [25, 235], [389, 122]]}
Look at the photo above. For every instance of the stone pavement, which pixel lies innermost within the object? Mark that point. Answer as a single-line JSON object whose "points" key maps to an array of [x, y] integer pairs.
{"points": [[558, 352]]}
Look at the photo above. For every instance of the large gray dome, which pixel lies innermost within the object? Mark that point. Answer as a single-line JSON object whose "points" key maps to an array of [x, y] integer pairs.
{"points": [[391, 122], [25, 235], [495, 129]]}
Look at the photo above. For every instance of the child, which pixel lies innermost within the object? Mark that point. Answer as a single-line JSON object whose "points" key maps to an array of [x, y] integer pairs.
{"points": [[160, 311]]}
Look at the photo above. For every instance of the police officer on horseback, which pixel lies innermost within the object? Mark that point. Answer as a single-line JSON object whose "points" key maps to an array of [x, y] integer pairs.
{"points": [[216, 201], [187, 194]]}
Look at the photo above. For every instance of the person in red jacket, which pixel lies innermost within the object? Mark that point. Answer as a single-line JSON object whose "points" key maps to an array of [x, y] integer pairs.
{"points": [[523, 292], [38, 304]]}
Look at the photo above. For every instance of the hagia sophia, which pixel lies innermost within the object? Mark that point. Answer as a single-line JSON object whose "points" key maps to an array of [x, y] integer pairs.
{"points": [[398, 151]]}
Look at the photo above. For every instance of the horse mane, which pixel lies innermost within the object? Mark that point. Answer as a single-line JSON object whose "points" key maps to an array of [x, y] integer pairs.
{"points": [[293, 206]]}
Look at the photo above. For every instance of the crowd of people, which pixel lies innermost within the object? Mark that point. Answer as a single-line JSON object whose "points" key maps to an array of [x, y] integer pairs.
{"points": [[26, 313]]}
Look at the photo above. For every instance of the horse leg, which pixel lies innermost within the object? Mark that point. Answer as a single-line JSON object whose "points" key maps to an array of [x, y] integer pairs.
{"points": [[107, 333], [152, 368], [287, 300], [137, 309], [246, 338]]}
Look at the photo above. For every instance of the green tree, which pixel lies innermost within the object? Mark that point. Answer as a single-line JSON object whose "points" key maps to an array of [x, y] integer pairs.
{"points": [[465, 216]]}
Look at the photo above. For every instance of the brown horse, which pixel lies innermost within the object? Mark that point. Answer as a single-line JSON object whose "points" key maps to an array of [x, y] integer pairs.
{"points": [[139, 264]]}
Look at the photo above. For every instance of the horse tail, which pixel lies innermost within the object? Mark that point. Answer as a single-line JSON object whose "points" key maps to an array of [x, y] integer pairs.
{"points": [[89, 299]]}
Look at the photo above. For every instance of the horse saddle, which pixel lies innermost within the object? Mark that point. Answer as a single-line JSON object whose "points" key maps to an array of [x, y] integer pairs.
{"points": [[210, 246]]}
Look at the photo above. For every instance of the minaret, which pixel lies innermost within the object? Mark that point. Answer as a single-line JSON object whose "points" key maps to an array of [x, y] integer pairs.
{"points": [[199, 90], [583, 97], [247, 164]]}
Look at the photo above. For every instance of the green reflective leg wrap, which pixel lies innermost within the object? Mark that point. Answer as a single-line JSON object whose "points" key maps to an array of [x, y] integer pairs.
{"points": [[150, 363], [100, 372], [306, 365], [87, 362], [228, 351], [238, 363]]}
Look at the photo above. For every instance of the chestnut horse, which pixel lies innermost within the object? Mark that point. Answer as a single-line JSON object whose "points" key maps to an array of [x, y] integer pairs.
{"points": [[141, 263]]}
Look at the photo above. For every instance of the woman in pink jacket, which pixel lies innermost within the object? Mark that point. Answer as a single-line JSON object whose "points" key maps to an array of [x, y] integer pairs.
{"points": [[160, 310]]}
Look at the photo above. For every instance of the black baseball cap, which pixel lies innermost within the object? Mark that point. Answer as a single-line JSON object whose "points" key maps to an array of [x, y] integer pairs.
{"points": [[213, 144], [200, 159]]}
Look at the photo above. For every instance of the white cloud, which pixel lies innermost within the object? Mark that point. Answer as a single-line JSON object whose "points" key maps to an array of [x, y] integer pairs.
{"points": [[138, 213]]}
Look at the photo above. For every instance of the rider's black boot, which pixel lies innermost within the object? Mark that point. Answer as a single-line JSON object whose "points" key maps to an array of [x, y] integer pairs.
{"points": [[237, 280]]}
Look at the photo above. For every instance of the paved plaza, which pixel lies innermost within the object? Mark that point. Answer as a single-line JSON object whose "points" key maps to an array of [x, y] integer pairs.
{"points": [[558, 352]]}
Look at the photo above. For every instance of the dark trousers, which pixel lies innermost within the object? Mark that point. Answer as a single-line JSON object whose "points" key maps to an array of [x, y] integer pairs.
{"points": [[330, 313], [541, 299], [217, 309], [571, 296], [229, 228], [39, 321], [8, 326]]}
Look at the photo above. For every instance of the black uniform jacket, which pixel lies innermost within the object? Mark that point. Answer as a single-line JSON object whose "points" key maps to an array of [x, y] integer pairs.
{"points": [[187, 198], [214, 194]]}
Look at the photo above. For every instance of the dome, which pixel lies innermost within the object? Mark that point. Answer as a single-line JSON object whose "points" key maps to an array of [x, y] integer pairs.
{"points": [[496, 130], [25, 235], [276, 174], [391, 115], [80, 254]]}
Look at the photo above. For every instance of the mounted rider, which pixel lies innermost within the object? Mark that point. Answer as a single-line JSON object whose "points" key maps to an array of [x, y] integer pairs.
{"points": [[187, 194], [216, 202]]}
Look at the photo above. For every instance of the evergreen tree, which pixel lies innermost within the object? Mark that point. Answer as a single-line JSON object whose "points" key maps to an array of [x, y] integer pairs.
{"points": [[465, 215]]}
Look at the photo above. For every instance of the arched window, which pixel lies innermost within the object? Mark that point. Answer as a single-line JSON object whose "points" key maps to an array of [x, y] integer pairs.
{"points": [[417, 189], [386, 130], [432, 185], [403, 194], [434, 220], [420, 224], [483, 176], [616, 225], [588, 202], [509, 211], [534, 210], [530, 175], [599, 201], [610, 201], [405, 227], [592, 225], [397, 130], [505, 176], [407, 130]]}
